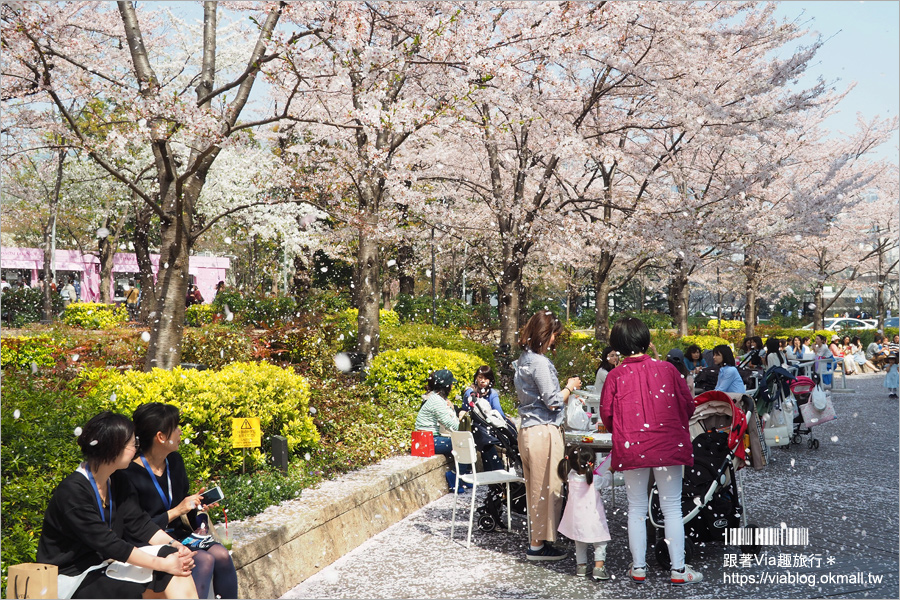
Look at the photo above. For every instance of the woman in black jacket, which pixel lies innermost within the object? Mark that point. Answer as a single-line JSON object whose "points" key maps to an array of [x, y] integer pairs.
{"points": [[159, 476]]}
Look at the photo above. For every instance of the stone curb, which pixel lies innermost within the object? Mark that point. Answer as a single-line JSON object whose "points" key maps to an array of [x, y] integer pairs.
{"points": [[285, 544]]}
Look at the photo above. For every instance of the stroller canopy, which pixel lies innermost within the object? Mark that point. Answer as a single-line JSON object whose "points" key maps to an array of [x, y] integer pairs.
{"points": [[716, 410]]}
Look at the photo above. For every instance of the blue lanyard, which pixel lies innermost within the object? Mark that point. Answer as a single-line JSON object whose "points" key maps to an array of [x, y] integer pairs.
{"points": [[99, 501], [167, 501]]}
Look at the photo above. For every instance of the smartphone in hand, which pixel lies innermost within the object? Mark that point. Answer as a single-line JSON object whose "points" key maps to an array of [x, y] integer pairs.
{"points": [[211, 496]]}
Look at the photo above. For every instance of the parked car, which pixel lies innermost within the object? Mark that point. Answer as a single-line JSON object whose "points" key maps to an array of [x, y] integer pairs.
{"points": [[844, 323], [892, 322]]}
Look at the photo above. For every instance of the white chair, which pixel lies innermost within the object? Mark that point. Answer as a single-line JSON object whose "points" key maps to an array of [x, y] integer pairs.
{"points": [[464, 453]]}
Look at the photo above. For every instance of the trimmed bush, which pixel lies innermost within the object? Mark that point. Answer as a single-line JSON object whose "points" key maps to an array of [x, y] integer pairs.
{"points": [[94, 315], [653, 320], [310, 342], [215, 346], [386, 318], [412, 335], [403, 373], [21, 352], [198, 315], [208, 400], [713, 324], [706, 342]]}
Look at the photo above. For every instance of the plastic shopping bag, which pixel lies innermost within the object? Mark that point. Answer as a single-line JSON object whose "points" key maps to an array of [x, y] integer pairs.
{"points": [[576, 418]]}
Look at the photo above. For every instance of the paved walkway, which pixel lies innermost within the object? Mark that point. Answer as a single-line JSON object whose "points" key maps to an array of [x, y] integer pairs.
{"points": [[845, 493]]}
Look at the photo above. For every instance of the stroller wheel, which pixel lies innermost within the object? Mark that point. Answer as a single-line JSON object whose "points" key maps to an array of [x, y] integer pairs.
{"points": [[661, 549], [751, 548], [796, 439], [486, 522], [814, 444]]}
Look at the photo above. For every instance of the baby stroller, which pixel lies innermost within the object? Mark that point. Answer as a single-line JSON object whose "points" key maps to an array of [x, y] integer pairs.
{"points": [[711, 499], [491, 428], [802, 388]]}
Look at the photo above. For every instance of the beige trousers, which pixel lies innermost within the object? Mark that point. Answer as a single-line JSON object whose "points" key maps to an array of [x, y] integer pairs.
{"points": [[542, 448]]}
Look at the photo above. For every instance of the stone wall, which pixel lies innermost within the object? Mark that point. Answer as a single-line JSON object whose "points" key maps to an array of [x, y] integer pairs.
{"points": [[279, 548]]}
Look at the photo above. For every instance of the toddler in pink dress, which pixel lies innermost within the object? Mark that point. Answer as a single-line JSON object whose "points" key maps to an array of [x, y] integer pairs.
{"points": [[584, 519]]}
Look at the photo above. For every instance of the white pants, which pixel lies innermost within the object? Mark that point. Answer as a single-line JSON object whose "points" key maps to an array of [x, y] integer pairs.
{"points": [[581, 551], [668, 482]]}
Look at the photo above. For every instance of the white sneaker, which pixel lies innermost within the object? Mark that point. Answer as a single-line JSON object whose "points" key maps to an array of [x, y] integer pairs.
{"points": [[638, 574], [688, 576]]}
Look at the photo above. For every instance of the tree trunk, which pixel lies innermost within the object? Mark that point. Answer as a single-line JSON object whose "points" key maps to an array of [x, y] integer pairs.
{"points": [[49, 235], [368, 294], [107, 250], [167, 327], [679, 295], [302, 280], [602, 289], [508, 305], [819, 310], [751, 270], [145, 265], [406, 267], [47, 303], [524, 301]]}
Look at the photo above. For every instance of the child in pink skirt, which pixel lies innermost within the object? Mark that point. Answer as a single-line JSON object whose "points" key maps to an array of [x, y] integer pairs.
{"points": [[584, 519]]}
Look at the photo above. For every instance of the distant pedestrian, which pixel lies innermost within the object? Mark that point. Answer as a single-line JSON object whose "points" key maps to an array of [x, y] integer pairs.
{"points": [[133, 301], [891, 378], [219, 287], [68, 293], [77, 285]]}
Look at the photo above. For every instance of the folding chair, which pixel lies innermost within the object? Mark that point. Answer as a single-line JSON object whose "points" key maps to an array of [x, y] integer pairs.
{"points": [[464, 453]]}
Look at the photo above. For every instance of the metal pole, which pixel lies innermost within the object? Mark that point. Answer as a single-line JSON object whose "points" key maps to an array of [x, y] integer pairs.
{"points": [[719, 302], [465, 259], [433, 301]]}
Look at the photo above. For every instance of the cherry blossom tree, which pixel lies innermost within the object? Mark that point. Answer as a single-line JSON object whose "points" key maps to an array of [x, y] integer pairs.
{"points": [[181, 101]]}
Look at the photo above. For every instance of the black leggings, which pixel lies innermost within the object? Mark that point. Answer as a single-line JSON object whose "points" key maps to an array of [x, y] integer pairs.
{"points": [[215, 565]]}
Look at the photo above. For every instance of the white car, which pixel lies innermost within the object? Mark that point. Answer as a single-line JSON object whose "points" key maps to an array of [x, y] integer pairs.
{"points": [[843, 323]]}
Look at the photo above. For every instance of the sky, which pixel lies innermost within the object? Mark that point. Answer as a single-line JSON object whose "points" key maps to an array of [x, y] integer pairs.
{"points": [[862, 45]]}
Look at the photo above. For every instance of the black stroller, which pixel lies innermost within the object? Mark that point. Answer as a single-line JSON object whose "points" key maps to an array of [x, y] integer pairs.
{"points": [[492, 429], [712, 495]]}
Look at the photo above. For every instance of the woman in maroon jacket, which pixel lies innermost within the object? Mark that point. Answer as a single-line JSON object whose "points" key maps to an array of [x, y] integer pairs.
{"points": [[646, 405]]}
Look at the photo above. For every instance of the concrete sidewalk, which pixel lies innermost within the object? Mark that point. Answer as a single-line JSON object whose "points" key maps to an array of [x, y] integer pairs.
{"points": [[845, 493]]}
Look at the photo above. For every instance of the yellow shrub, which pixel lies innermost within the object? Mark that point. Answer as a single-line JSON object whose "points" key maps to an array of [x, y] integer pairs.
{"points": [[404, 372], [94, 315], [706, 342], [712, 324], [208, 400]]}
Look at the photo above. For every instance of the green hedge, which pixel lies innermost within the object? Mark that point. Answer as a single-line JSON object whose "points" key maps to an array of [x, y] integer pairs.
{"points": [[38, 451], [24, 305], [448, 312], [198, 315], [257, 310], [208, 400], [402, 374]]}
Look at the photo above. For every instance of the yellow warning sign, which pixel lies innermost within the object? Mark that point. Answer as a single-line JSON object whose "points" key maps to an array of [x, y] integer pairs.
{"points": [[246, 433]]}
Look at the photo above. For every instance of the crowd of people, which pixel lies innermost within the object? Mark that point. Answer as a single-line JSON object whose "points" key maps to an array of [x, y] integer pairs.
{"points": [[634, 390]]}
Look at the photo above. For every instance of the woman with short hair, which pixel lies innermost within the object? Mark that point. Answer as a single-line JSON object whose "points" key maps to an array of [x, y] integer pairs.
{"points": [[541, 445], [646, 406], [94, 510]]}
